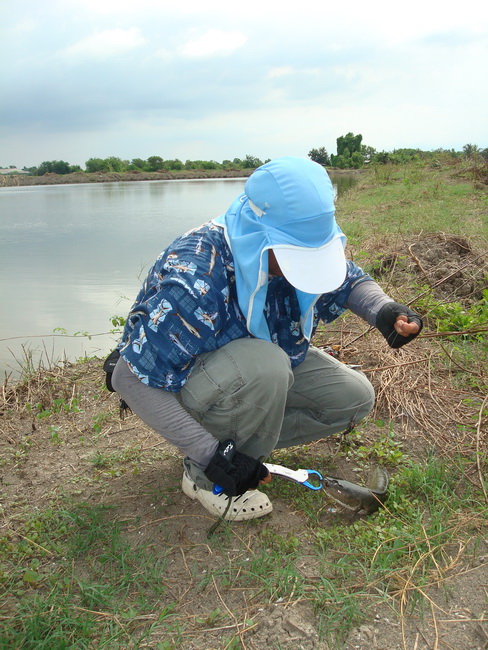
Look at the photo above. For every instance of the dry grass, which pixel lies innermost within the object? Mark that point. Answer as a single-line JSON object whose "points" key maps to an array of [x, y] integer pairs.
{"points": [[225, 592]]}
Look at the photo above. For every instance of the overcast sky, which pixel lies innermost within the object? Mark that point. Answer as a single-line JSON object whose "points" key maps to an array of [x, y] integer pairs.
{"points": [[212, 79]]}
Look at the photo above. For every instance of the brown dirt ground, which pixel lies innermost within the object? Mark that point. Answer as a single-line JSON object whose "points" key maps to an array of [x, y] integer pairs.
{"points": [[145, 489]]}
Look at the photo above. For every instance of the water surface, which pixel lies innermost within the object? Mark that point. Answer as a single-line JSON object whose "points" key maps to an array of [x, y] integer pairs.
{"points": [[73, 256]]}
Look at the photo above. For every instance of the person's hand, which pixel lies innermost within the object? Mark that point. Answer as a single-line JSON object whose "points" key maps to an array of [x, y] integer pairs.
{"points": [[235, 472], [405, 327], [398, 324]]}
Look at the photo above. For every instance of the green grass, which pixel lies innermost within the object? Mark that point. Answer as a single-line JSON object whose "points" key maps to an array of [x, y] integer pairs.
{"points": [[401, 551], [53, 604], [412, 200], [71, 576], [76, 575]]}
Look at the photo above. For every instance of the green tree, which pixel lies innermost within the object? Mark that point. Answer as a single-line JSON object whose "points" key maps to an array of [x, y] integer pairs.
{"points": [[470, 150], [381, 157], [367, 152], [96, 165], [357, 160], [350, 142], [341, 162], [173, 164], [137, 163], [155, 163], [251, 162], [207, 164], [116, 164], [320, 156], [53, 167]]}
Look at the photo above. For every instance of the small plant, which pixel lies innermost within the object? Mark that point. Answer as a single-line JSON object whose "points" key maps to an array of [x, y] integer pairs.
{"points": [[20, 454], [54, 435], [99, 420], [118, 321], [101, 460], [71, 406], [59, 405], [386, 450], [112, 463], [455, 317], [214, 616]]}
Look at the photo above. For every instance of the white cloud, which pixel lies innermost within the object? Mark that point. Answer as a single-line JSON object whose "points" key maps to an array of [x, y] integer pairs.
{"points": [[288, 71], [285, 71], [218, 80], [213, 42], [24, 26], [106, 44]]}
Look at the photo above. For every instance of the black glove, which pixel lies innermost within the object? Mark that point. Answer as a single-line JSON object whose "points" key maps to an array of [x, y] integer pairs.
{"points": [[386, 319], [234, 472]]}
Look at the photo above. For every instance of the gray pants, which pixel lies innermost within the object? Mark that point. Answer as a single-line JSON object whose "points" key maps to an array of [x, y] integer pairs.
{"points": [[248, 391]]}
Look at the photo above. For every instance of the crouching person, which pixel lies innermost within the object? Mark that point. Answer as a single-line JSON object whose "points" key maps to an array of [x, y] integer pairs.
{"points": [[216, 354]]}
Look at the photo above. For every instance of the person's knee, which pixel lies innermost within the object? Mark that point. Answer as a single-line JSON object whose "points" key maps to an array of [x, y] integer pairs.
{"points": [[262, 363], [361, 396], [246, 371]]}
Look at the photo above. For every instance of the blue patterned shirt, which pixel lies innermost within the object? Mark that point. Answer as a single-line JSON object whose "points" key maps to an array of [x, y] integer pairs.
{"points": [[188, 306]]}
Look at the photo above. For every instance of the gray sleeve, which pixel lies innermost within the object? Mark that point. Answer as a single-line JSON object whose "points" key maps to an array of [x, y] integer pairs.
{"points": [[162, 411], [185, 433], [366, 299]]}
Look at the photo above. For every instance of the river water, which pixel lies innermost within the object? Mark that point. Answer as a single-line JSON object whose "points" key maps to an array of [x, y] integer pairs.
{"points": [[73, 256]]}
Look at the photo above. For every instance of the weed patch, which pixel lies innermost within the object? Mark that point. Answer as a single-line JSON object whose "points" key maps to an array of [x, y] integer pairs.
{"points": [[64, 568], [99, 548]]}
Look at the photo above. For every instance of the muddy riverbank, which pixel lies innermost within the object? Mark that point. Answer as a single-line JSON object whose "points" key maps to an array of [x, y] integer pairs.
{"points": [[111, 177], [14, 180]]}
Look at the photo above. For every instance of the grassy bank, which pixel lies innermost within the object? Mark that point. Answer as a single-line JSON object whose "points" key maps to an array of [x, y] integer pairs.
{"points": [[99, 548], [13, 180], [116, 177], [410, 199]]}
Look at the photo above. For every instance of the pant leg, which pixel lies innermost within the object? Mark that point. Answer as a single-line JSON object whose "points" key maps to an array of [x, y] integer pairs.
{"points": [[326, 396], [247, 391], [239, 391]]}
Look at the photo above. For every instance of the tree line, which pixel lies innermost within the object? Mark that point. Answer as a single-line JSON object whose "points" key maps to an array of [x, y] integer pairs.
{"points": [[351, 154], [152, 164]]}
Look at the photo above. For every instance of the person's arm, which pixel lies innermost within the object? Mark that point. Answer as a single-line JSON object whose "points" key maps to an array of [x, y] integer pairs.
{"points": [[221, 462], [185, 433], [366, 299], [398, 323]]}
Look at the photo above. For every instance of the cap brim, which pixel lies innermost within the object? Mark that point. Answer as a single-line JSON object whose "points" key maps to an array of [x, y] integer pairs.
{"points": [[313, 270]]}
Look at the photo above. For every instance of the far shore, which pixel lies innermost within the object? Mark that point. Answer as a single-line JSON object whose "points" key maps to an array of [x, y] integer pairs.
{"points": [[14, 180]]}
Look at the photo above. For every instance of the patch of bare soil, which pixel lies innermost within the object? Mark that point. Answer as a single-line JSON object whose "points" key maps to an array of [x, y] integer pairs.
{"points": [[46, 460], [83, 450], [454, 268]]}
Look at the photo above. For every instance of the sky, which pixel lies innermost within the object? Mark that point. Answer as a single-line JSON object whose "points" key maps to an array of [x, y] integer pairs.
{"points": [[217, 80]]}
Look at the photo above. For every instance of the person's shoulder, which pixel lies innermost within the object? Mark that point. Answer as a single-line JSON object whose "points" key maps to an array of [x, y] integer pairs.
{"points": [[200, 252], [202, 237]]}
